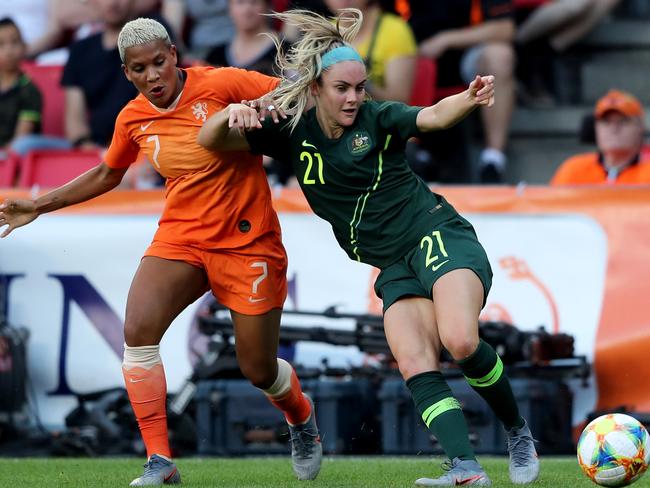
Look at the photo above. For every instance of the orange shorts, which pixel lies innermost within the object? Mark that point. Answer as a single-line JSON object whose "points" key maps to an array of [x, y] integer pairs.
{"points": [[250, 280]]}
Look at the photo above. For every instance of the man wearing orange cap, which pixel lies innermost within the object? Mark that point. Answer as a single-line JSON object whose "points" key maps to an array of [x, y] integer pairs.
{"points": [[619, 137]]}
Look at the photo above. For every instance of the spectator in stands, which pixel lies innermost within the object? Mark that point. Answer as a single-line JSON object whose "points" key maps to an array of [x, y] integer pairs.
{"points": [[563, 22], [69, 21], [289, 33], [550, 29], [218, 232], [249, 48], [467, 37], [202, 24], [95, 87], [435, 274], [20, 100], [388, 47], [619, 138], [31, 17]]}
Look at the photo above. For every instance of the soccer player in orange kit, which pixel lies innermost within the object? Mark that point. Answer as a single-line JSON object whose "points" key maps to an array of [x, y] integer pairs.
{"points": [[218, 232]]}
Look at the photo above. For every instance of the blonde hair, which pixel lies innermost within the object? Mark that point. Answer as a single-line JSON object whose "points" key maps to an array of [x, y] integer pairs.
{"points": [[302, 64], [141, 31]]}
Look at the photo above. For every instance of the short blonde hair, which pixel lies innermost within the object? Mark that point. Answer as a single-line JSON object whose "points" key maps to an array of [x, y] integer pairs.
{"points": [[141, 31], [303, 63]]}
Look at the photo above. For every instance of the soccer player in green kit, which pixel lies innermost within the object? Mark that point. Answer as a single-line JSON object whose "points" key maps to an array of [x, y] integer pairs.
{"points": [[348, 155]]}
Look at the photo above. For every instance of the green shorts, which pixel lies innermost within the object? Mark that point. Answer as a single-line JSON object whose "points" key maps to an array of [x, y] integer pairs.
{"points": [[451, 245]]}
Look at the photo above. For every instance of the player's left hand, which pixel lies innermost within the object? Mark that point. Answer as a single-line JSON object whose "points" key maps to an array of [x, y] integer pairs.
{"points": [[266, 105], [16, 213], [243, 117], [481, 90]]}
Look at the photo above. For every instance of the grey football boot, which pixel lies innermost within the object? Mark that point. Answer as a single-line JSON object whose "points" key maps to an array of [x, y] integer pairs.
{"points": [[306, 448], [459, 472], [524, 463], [158, 471]]}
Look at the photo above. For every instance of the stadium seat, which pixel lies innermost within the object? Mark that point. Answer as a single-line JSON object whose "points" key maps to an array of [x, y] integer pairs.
{"points": [[47, 78], [645, 152], [8, 167], [54, 168], [424, 84]]}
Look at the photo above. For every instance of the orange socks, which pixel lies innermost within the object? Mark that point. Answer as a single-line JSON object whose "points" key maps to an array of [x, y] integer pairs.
{"points": [[144, 377], [286, 394]]}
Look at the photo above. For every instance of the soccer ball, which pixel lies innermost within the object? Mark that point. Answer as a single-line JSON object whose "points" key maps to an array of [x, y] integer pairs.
{"points": [[613, 450]]}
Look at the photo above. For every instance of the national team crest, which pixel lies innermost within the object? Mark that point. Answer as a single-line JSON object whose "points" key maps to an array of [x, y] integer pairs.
{"points": [[200, 111], [359, 142]]}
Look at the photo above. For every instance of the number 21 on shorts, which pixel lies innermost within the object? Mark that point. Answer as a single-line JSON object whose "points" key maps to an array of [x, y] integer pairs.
{"points": [[435, 248]]}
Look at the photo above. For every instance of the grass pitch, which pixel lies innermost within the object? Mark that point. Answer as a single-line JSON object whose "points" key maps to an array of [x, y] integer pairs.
{"points": [[345, 472]]}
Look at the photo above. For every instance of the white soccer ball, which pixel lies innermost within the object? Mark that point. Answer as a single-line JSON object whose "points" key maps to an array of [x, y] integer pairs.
{"points": [[613, 450]]}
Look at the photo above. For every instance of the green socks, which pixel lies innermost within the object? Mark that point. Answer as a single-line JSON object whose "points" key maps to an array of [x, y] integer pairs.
{"points": [[483, 370], [441, 413]]}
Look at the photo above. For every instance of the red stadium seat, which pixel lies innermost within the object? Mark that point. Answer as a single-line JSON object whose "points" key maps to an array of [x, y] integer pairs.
{"points": [[424, 84], [645, 152], [424, 91], [54, 168], [47, 78], [8, 167]]}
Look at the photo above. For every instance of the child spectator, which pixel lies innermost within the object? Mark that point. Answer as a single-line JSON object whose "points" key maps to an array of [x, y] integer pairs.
{"points": [[20, 100]]}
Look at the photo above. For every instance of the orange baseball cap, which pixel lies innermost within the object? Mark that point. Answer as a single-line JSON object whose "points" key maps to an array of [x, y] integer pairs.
{"points": [[618, 101]]}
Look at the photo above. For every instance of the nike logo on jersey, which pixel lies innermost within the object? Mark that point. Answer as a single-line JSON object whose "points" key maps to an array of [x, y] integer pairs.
{"points": [[136, 381], [436, 268], [306, 144], [255, 300], [144, 127]]}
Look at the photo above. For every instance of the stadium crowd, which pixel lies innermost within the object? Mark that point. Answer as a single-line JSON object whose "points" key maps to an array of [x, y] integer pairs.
{"points": [[62, 86]]}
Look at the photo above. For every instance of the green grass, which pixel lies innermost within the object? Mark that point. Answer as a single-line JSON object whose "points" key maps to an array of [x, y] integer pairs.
{"points": [[348, 472]]}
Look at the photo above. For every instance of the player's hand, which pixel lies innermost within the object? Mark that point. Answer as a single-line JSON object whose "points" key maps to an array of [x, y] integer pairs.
{"points": [[243, 117], [481, 90], [16, 213], [266, 106]]}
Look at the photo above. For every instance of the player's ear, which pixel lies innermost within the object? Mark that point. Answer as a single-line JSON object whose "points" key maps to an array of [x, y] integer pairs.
{"points": [[174, 52], [314, 88], [126, 72]]}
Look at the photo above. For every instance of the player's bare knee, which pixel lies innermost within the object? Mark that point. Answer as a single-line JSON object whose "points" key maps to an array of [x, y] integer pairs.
{"points": [[139, 333], [411, 366], [260, 376], [461, 347]]}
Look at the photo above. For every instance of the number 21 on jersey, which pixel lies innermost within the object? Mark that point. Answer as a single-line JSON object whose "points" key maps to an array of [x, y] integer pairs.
{"points": [[311, 172]]}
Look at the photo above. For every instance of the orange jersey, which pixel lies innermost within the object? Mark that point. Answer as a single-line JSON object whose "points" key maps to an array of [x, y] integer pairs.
{"points": [[587, 169], [213, 200]]}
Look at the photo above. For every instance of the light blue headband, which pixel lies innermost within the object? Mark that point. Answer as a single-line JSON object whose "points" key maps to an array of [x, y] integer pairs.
{"points": [[340, 54]]}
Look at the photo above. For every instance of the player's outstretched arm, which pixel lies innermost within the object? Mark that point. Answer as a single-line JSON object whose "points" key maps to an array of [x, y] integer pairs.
{"points": [[453, 109], [224, 130], [94, 182]]}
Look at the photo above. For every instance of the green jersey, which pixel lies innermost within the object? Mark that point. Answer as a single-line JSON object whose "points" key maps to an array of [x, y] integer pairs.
{"points": [[361, 182]]}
